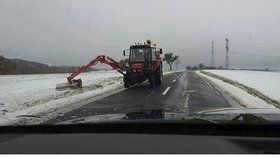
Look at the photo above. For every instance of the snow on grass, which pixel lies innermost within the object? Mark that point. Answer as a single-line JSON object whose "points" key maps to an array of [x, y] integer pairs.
{"points": [[265, 82], [245, 98], [26, 95]]}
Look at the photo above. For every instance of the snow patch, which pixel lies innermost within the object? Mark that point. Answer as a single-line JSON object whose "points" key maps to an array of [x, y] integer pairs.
{"points": [[265, 82], [32, 95], [246, 99]]}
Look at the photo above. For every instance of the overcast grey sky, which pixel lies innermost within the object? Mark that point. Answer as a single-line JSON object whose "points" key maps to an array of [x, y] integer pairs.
{"points": [[71, 32]]}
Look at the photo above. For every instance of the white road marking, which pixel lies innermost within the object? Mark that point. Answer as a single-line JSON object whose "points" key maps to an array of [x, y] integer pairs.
{"points": [[191, 91], [174, 80], [167, 89]]}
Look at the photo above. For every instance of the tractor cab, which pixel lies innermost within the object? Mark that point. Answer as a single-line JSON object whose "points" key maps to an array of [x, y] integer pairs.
{"points": [[142, 57], [144, 63], [142, 53]]}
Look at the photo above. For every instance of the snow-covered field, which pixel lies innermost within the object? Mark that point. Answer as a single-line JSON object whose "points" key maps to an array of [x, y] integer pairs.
{"points": [[30, 95], [266, 82]]}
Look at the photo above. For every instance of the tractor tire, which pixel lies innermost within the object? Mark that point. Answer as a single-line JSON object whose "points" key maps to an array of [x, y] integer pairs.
{"points": [[126, 81], [158, 77], [152, 81]]}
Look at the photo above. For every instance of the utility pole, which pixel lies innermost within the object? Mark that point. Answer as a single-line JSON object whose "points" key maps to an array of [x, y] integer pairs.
{"points": [[227, 55], [212, 55]]}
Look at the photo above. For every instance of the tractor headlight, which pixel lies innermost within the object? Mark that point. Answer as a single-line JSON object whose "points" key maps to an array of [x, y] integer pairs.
{"points": [[134, 70]]}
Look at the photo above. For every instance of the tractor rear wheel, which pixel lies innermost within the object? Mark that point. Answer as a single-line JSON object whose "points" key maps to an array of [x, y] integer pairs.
{"points": [[158, 77], [152, 81]]}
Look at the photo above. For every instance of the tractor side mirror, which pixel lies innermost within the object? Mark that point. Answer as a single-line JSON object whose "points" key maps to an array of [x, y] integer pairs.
{"points": [[124, 53], [160, 51]]}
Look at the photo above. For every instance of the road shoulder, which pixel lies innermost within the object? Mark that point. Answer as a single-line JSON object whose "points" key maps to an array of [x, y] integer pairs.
{"points": [[242, 96]]}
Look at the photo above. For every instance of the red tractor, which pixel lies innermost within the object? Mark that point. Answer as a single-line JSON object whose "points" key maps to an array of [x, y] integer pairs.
{"points": [[144, 63]]}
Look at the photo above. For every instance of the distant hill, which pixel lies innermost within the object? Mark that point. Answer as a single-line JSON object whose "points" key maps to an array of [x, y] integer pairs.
{"points": [[18, 66]]}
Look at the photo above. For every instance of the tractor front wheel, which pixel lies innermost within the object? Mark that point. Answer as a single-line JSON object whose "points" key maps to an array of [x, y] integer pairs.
{"points": [[158, 77], [126, 81]]}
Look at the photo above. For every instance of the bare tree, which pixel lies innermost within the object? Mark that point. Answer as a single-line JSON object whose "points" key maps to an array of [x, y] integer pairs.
{"points": [[170, 58]]}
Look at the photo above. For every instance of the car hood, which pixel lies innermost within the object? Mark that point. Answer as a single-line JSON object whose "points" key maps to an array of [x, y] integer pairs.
{"points": [[220, 115]]}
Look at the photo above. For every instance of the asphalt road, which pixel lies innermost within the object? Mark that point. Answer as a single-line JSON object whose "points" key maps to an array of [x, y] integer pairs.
{"points": [[184, 92]]}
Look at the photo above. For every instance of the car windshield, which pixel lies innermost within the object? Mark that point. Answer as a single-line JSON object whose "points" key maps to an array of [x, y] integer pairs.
{"points": [[76, 61]]}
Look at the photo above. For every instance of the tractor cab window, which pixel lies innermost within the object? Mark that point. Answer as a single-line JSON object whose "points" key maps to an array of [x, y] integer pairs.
{"points": [[137, 55]]}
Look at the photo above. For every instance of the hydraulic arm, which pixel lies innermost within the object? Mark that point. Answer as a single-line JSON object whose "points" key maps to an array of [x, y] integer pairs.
{"points": [[102, 59]]}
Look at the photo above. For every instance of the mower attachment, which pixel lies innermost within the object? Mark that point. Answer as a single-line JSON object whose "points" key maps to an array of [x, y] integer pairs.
{"points": [[69, 85]]}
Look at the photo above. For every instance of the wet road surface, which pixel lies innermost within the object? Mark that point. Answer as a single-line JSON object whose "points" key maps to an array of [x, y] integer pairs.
{"points": [[184, 92]]}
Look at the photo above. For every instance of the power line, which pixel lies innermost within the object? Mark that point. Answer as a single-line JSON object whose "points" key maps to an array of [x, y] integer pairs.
{"points": [[246, 45], [189, 49], [256, 55]]}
